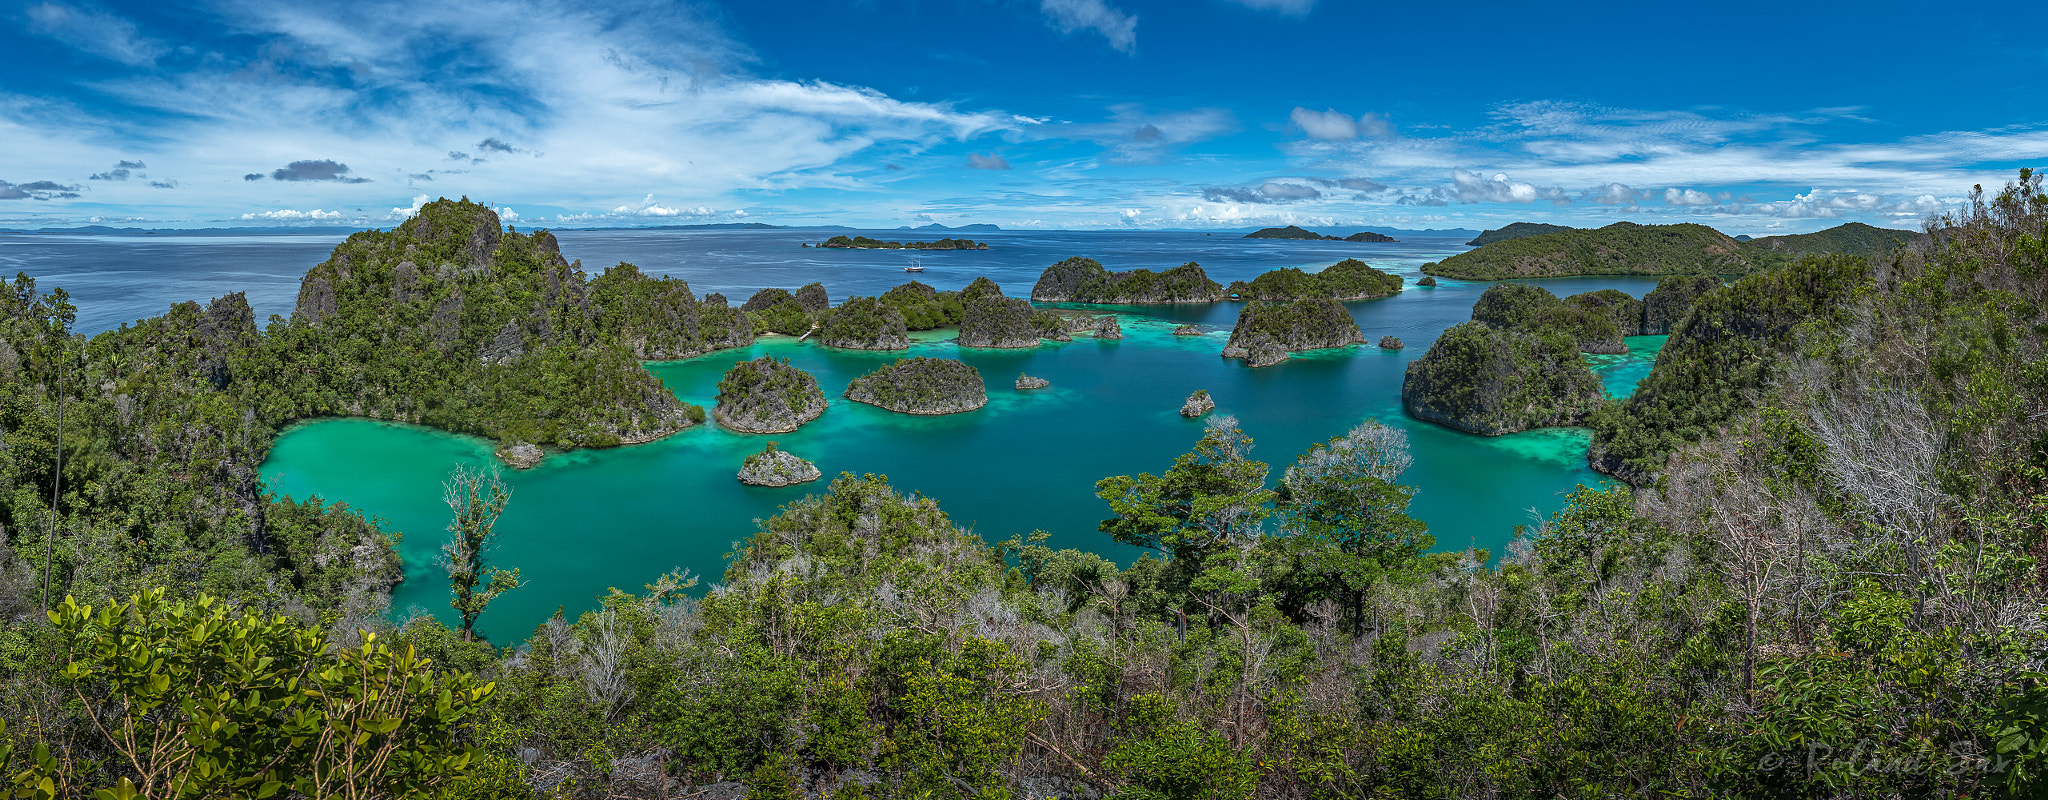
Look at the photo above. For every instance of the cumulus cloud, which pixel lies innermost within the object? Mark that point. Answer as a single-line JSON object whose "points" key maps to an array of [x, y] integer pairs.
{"points": [[37, 190], [1614, 194], [95, 31], [496, 145], [167, 184], [321, 170], [1331, 125], [1675, 196], [990, 161], [1270, 192], [116, 174], [1474, 188], [1071, 16], [1356, 184], [290, 215], [1292, 8], [408, 212]]}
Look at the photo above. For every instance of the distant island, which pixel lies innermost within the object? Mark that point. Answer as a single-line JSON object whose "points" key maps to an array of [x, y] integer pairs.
{"points": [[1293, 232], [865, 243], [979, 227]]}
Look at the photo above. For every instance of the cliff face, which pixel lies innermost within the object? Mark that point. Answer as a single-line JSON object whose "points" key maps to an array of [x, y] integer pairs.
{"points": [[865, 323], [922, 386], [1485, 380], [767, 395], [992, 320], [1266, 332], [1623, 248], [1084, 280], [457, 324]]}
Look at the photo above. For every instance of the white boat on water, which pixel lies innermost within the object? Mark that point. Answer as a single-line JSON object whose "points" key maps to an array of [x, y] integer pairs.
{"points": [[915, 266]]}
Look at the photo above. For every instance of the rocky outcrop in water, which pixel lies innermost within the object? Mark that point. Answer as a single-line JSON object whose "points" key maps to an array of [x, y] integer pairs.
{"points": [[1391, 343], [1482, 379], [1197, 404], [994, 321], [865, 323], [1028, 382], [451, 321], [1084, 280], [921, 385], [772, 467], [521, 455], [1427, 280], [1187, 330], [767, 395], [1266, 332]]}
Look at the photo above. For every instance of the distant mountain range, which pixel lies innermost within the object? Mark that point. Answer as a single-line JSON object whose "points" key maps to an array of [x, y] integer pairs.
{"points": [[978, 227]]}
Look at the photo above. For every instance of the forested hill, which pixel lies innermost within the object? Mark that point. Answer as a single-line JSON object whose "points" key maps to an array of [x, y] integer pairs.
{"points": [[1849, 238], [1623, 248], [1516, 230], [452, 322]]}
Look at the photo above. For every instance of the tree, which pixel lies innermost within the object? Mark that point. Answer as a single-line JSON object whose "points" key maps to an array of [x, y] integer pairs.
{"points": [[476, 497], [196, 701], [1210, 498], [1347, 518]]}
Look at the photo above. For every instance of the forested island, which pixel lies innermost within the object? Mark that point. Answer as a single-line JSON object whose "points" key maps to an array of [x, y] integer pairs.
{"points": [[1820, 577], [922, 386], [1350, 279], [1266, 332], [865, 243], [1294, 232], [1537, 250], [1085, 280]]}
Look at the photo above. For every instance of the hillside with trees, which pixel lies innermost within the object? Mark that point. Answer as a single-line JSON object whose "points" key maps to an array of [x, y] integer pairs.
{"points": [[1623, 248]]}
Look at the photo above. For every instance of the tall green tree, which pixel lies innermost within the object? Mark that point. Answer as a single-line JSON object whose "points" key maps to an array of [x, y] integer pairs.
{"points": [[476, 497], [1346, 519], [1211, 498]]}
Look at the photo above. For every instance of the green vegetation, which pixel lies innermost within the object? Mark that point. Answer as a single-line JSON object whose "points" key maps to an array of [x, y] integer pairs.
{"points": [[1849, 239], [1265, 332], [773, 467], [1369, 236], [1293, 232], [865, 323], [1350, 279], [1491, 380], [1084, 280], [1623, 248], [1830, 586], [865, 243], [1516, 230], [992, 320], [777, 311], [476, 498], [921, 386], [924, 308], [767, 395]]}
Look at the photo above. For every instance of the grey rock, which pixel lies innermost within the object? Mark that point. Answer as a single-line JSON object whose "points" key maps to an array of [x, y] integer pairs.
{"points": [[772, 467], [521, 455], [1028, 382], [316, 301], [1198, 404]]}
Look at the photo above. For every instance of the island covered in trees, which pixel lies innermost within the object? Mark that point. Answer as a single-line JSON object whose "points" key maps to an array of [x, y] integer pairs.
{"points": [[1294, 232], [865, 243]]}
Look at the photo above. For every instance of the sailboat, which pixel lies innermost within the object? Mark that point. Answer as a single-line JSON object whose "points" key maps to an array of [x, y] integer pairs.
{"points": [[915, 266]]}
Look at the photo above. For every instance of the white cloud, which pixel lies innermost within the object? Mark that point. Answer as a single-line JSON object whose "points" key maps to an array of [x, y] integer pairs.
{"points": [[1293, 8], [1137, 135], [289, 215], [1069, 16], [1474, 188], [1329, 126], [507, 215], [1675, 196], [1615, 194], [648, 208], [94, 31], [990, 161], [418, 202]]}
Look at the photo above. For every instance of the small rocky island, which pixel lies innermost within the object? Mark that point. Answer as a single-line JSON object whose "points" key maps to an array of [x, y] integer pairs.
{"points": [[1028, 382], [772, 467], [1267, 332], [920, 385], [1197, 404], [1391, 343], [1187, 330], [521, 455], [865, 323], [1427, 280], [865, 243], [994, 321], [1084, 280], [1350, 279], [767, 395]]}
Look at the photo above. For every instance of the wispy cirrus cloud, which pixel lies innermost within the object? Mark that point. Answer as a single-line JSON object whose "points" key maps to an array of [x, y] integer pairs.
{"points": [[94, 31], [1120, 29]]}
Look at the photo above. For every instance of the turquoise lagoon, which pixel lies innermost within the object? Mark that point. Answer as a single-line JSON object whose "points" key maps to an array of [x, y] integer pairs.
{"points": [[585, 521]]}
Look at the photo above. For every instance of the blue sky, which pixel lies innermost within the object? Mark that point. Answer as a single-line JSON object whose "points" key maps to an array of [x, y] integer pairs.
{"points": [[1754, 118]]}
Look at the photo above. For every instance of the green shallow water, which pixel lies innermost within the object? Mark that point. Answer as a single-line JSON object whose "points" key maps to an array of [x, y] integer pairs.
{"points": [[586, 521]]}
